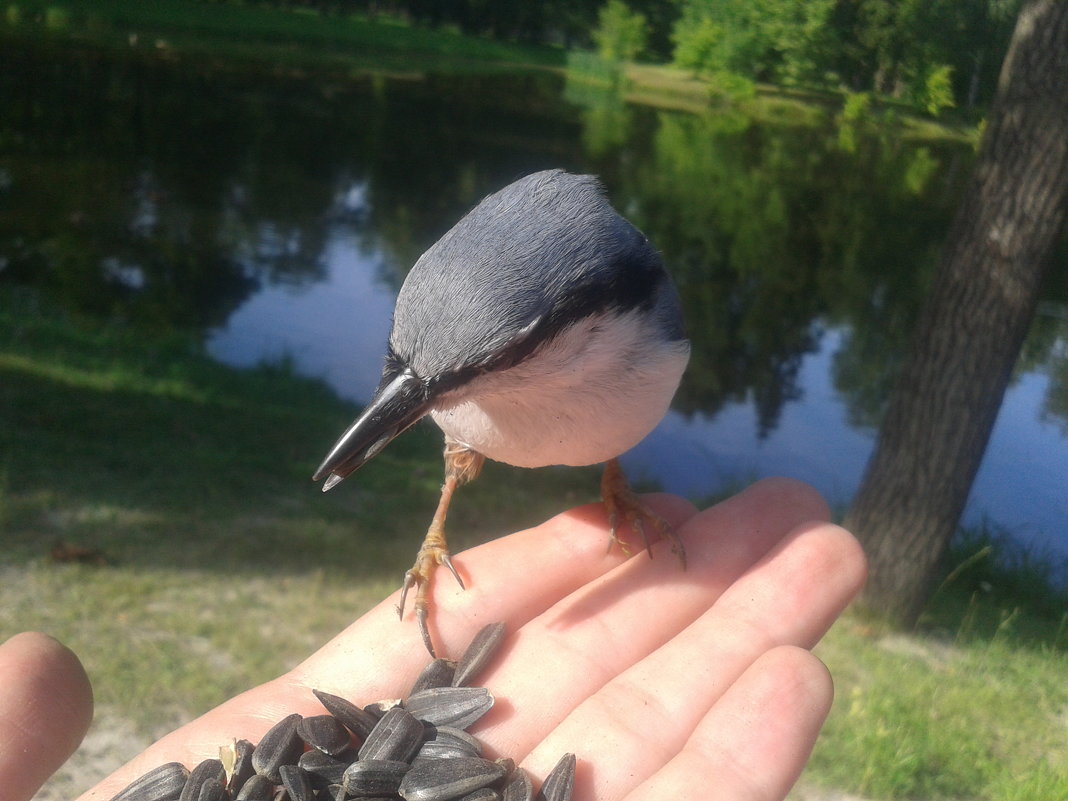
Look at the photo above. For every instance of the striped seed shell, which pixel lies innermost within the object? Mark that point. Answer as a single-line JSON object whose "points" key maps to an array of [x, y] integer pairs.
{"points": [[446, 742], [483, 794], [202, 779], [560, 781], [164, 783], [519, 787], [458, 707], [356, 720], [210, 791], [375, 777], [449, 778], [281, 745], [325, 733], [439, 673], [478, 654], [257, 788], [397, 736], [323, 769], [297, 783]]}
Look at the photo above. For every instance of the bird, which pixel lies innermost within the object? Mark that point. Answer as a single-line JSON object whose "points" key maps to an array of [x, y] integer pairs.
{"points": [[541, 329]]}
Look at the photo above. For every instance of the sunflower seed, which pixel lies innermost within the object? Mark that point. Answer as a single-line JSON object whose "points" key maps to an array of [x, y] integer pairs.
{"points": [[458, 707], [205, 775], [478, 654], [325, 733], [483, 794], [212, 792], [323, 769], [164, 783], [296, 782], [257, 788], [446, 742], [449, 778], [439, 673], [236, 760], [560, 781], [371, 777], [356, 720], [519, 787], [397, 736], [279, 746], [434, 751]]}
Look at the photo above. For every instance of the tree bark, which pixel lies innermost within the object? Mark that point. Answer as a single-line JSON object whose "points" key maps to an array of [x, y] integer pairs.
{"points": [[943, 407]]}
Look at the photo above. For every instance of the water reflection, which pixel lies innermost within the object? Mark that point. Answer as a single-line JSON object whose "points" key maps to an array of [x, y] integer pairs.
{"points": [[278, 216]]}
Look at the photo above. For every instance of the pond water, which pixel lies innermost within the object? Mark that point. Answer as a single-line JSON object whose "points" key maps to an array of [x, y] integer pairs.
{"points": [[277, 215]]}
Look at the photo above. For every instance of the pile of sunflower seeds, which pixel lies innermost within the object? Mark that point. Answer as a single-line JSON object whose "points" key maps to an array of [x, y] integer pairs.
{"points": [[416, 749]]}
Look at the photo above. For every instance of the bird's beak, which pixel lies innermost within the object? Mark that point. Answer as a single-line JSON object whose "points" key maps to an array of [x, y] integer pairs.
{"points": [[397, 405]]}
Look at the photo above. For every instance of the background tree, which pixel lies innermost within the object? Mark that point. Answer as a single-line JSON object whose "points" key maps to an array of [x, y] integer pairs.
{"points": [[973, 324], [621, 34], [765, 40]]}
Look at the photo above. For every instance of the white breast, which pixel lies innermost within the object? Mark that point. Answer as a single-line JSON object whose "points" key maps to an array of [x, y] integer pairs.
{"points": [[590, 394]]}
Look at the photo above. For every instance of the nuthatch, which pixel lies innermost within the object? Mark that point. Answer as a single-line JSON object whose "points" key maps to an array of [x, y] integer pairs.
{"points": [[541, 329]]}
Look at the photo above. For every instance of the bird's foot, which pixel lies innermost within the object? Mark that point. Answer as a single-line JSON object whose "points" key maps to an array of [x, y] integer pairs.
{"points": [[433, 552], [622, 501]]}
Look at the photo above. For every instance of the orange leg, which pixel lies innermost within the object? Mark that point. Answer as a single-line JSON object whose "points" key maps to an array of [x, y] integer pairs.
{"points": [[461, 465], [619, 498]]}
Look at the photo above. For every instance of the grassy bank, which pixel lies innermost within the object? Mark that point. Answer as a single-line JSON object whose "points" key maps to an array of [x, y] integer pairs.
{"points": [[220, 564], [234, 36], [237, 35]]}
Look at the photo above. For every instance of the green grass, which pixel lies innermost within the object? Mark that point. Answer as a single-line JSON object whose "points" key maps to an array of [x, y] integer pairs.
{"points": [[226, 565], [921, 717], [971, 707]]}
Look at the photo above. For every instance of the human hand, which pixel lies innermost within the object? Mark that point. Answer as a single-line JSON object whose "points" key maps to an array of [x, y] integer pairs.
{"points": [[665, 683]]}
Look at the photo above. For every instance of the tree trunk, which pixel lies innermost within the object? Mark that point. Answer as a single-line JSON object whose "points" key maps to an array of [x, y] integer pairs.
{"points": [[942, 409]]}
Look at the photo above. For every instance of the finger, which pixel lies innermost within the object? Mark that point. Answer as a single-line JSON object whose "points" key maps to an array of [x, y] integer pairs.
{"points": [[46, 705], [790, 597], [515, 578], [569, 653], [755, 741]]}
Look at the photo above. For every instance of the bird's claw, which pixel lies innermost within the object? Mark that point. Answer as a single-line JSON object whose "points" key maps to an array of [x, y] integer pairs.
{"points": [[445, 558], [419, 576], [619, 497]]}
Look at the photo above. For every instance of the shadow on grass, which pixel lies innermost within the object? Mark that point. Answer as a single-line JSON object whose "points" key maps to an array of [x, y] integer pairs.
{"points": [[145, 450]]}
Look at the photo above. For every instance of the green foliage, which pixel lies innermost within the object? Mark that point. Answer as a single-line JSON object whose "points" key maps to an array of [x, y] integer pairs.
{"points": [[764, 40], [621, 33], [732, 88], [56, 18], [697, 42], [937, 91], [855, 115]]}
